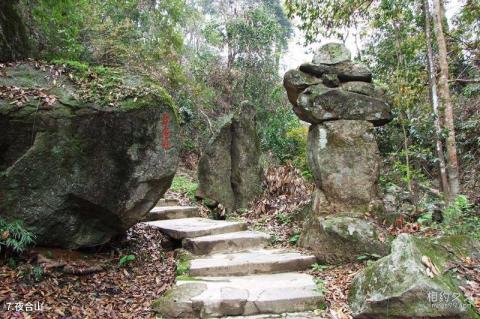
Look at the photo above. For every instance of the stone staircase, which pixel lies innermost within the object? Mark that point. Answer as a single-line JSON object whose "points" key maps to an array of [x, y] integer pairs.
{"points": [[231, 271]]}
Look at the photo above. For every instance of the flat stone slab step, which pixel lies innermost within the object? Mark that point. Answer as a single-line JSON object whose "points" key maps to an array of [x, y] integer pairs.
{"points": [[172, 212], [289, 315], [250, 262], [229, 242], [167, 202], [206, 297], [196, 227]]}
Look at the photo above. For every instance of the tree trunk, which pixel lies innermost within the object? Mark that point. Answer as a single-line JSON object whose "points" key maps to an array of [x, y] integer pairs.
{"points": [[13, 36], [444, 93], [434, 102]]}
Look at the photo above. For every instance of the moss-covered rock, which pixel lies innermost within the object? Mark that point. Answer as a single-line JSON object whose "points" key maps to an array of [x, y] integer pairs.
{"points": [[79, 173], [295, 82], [401, 285], [332, 53], [341, 239]]}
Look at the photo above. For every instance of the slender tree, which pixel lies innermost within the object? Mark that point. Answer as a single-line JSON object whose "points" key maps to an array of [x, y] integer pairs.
{"points": [[434, 101], [444, 94]]}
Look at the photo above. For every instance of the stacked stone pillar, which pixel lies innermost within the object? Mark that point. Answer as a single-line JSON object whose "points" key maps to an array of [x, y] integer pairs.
{"points": [[338, 98]]}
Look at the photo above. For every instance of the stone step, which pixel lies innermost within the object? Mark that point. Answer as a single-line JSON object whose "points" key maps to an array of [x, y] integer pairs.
{"points": [[172, 212], [207, 297], [250, 262], [228, 242], [163, 202], [196, 227]]}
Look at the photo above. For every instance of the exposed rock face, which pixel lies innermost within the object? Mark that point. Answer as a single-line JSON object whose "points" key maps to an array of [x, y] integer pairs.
{"points": [[13, 36], [342, 239], [398, 286], [344, 160], [229, 171], [79, 174]]}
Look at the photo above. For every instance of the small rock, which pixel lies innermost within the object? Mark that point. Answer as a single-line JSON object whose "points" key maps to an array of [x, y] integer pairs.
{"points": [[295, 82], [332, 53], [359, 87], [330, 80]]}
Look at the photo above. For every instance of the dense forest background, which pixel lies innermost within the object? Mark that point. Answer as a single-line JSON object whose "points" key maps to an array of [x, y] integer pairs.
{"points": [[211, 55]]}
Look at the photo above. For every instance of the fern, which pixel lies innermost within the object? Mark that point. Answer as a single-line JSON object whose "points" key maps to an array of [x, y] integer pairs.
{"points": [[14, 237]]}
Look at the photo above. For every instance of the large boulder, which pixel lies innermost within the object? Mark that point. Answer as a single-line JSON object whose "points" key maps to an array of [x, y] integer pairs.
{"points": [[229, 170], [344, 158], [79, 173], [413, 281], [342, 238], [346, 71], [319, 103]]}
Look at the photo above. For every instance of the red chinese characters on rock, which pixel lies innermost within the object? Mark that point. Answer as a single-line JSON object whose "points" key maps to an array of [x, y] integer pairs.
{"points": [[165, 131]]}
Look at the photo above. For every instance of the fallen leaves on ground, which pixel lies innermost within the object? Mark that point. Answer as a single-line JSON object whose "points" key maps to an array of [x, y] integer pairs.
{"points": [[279, 209], [469, 271], [337, 281], [110, 291]]}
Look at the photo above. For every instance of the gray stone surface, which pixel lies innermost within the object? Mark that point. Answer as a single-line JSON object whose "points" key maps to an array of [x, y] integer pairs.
{"points": [[229, 171], [228, 242], [195, 227], [167, 202], [250, 262], [172, 212], [332, 53], [359, 87], [399, 285], [245, 295], [346, 71], [318, 104], [79, 173], [344, 159], [342, 239], [295, 82]]}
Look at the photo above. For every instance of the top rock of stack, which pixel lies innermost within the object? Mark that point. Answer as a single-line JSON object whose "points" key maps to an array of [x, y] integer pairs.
{"points": [[332, 53]]}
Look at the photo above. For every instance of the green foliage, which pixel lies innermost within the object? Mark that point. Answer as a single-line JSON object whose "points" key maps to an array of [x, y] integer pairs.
{"points": [[14, 237], [294, 239], [283, 218], [455, 210], [126, 260], [183, 266], [319, 267], [320, 285], [183, 184], [37, 272]]}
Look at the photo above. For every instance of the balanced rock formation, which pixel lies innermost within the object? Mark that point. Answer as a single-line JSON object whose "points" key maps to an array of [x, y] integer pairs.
{"points": [[343, 106], [414, 281], [229, 172], [79, 173]]}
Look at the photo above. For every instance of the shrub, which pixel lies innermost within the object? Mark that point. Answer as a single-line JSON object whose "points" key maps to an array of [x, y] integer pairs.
{"points": [[14, 238]]}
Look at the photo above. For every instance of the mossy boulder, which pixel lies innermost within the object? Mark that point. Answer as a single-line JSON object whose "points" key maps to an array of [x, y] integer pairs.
{"points": [[342, 239], [319, 103], [77, 172], [344, 159], [229, 171], [332, 53], [401, 285]]}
